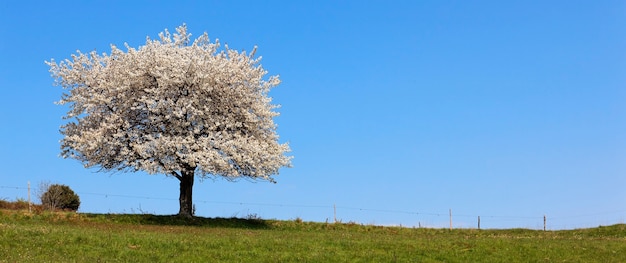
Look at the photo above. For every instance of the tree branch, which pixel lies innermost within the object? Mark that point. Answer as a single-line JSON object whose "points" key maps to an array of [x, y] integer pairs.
{"points": [[179, 177]]}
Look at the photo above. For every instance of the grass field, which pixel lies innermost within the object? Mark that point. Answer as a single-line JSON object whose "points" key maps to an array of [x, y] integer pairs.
{"points": [[72, 237]]}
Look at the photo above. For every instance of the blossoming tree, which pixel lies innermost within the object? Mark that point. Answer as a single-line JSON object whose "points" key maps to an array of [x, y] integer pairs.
{"points": [[172, 107]]}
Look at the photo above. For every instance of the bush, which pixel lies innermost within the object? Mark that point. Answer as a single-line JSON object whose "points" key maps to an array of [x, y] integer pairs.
{"points": [[58, 196], [19, 204]]}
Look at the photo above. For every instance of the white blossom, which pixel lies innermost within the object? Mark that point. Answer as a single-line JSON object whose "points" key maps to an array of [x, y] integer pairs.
{"points": [[171, 106]]}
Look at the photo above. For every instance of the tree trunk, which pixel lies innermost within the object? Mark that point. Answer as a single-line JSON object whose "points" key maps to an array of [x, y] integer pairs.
{"points": [[186, 188]]}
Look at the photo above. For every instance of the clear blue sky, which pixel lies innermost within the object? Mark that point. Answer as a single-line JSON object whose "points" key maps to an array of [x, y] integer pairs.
{"points": [[396, 111]]}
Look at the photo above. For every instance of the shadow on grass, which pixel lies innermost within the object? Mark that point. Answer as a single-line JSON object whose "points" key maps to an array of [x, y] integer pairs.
{"points": [[175, 220]]}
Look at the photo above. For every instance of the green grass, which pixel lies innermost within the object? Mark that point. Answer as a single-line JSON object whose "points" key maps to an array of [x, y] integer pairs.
{"points": [[71, 237]]}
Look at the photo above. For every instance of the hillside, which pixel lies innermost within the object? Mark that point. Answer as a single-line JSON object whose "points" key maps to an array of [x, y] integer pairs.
{"points": [[67, 236]]}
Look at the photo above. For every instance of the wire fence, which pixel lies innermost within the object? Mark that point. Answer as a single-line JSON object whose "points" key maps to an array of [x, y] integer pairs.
{"points": [[422, 218]]}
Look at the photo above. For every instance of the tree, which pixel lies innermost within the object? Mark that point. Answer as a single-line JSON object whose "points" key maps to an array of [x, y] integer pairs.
{"points": [[172, 107], [58, 196]]}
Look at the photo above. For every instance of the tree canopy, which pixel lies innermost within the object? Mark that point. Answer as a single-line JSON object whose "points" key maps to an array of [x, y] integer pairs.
{"points": [[173, 107]]}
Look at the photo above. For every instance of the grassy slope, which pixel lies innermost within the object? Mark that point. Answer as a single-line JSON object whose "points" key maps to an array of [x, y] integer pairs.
{"points": [[70, 237]]}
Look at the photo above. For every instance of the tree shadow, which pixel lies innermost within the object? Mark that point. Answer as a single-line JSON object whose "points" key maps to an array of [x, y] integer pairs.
{"points": [[176, 220]]}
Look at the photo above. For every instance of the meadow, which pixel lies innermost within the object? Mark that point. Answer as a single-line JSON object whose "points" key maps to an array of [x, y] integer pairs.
{"points": [[43, 236]]}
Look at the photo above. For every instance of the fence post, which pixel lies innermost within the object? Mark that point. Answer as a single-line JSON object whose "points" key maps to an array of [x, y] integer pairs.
{"points": [[29, 206], [478, 222], [544, 222], [450, 218]]}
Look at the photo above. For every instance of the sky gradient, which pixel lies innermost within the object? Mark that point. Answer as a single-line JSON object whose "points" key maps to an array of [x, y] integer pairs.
{"points": [[396, 111]]}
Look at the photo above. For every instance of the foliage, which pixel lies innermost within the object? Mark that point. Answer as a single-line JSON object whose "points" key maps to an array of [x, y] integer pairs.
{"points": [[20, 204], [62, 237], [174, 107], [58, 196], [17, 204]]}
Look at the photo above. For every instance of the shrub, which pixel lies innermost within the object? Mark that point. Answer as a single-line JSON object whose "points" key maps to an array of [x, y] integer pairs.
{"points": [[14, 205], [58, 196]]}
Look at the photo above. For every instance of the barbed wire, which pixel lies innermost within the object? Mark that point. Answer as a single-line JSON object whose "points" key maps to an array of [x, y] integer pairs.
{"points": [[333, 206]]}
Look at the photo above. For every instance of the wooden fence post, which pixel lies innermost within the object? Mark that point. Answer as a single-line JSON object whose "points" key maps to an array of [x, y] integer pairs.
{"points": [[450, 218], [478, 222], [29, 208]]}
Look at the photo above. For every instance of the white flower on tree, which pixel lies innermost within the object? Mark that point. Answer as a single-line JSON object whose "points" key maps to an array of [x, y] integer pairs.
{"points": [[171, 107]]}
